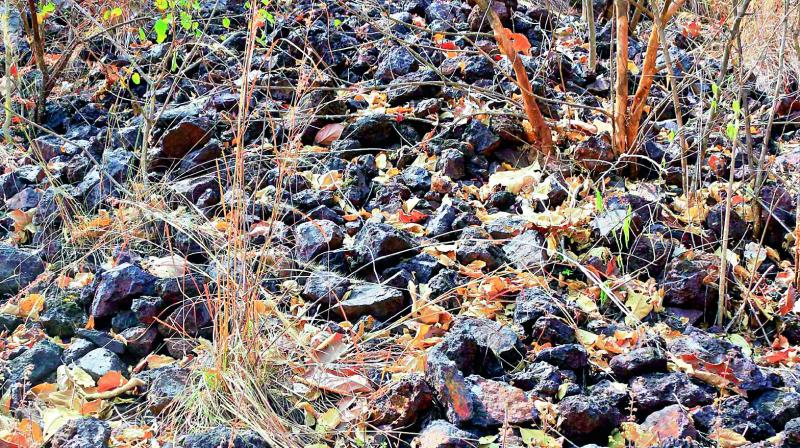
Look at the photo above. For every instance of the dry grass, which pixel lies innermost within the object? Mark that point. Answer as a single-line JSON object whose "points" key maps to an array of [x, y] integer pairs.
{"points": [[761, 38]]}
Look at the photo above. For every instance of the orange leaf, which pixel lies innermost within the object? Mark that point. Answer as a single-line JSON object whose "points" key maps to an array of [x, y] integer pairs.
{"points": [[31, 428], [787, 301], [31, 304], [415, 216], [328, 134], [110, 381], [44, 388], [91, 407], [519, 42]]}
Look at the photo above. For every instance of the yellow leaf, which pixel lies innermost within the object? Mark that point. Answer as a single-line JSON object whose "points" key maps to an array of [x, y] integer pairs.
{"points": [[31, 305]]}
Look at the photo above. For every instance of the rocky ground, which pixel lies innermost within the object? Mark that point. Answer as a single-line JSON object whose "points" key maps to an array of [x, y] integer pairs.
{"points": [[454, 290]]}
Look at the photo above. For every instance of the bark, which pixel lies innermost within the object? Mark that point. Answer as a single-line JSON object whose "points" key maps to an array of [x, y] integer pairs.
{"points": [[620, 139]]}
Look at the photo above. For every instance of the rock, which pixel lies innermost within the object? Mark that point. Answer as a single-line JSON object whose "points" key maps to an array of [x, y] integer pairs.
{"points": [[24, 200], [191, 318], [568, 356], [317, 237], [102, 340], [738, 227], [550, 329], [791, 433], [147, 308], [585, 419], [369, 299], [18, 269], [778, 407], [493, 403], [380, 244], [77, 349], [452, 164], [371, 131], [478, 135], [165, 388], [670, 423], [200, 161], [191, 133], [61, 317], [441, 434], [202, 191], [637, 362], [595, 155], [777, 214], [533, 303], [325, 286], [655, 391], [9, 322], [175, 289], [474, 247], [649, 255], [421, 84], [402, 404], [100, 361], [117, 287], [222, 436], [423, 267], [417, 178], [540, 378], [396, 62], [684, 284], [735, 414], [526, 250], [141, 341], [33, 366], [703, 347], [85, 432], [440, 224]]}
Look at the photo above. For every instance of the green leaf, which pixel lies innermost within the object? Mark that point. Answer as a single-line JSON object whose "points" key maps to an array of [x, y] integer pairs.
{"points": [[270, 18], [732, 131], [162, 5], [715, 89], [537, 438], [186, 20], [714, 105], [671, 136], [226, 22], [142, 34], [737, 107], [626, 226], [337, 23], [739, 340], [136, 78], [48, 8], [161, 27], [598, 201], [616, 440]]}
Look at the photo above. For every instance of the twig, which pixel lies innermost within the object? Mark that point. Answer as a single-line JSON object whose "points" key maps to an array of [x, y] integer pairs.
{"points": [[131, 384], [541, 130], [620, 128]]}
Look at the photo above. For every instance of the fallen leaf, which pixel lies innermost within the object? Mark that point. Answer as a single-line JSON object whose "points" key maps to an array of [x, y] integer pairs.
{"points": [[110, 381], [328, 134]]}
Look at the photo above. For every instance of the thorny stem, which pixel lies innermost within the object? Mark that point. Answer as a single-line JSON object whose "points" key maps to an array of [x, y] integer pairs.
{"points": [[620, 139], [760, 177], [589, 5]]}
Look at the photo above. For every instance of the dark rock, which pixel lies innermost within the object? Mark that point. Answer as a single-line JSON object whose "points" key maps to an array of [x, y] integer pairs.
{"points": [[61, 317], [175, 289], [421, 84], [325, 286], [9, 322], [101, 339], [100, 361], [791, 433], [585, 419], [402, 404], [670, 423], [200, 161], [118, 286], [191, 318], [777, 214], [649, 254], [441, 223], [442, 434], [370, 299], [86, 432], [141, 341], [423, 267], [316, 237], [526, 250], [735, 414], [147, 308], [163, 390], [568, 356], [778, 407], [637, 362], [77, 349], [655, 391], [595, 155], [505, 227], [372, 131], [190, 133], [223, 437], [738, 227], [550, 329], [452, 164], [417, 178], [540, 378], [380, 244], [25, 200], [533, 303], [478, 135], [178, 348], [18, 269], [475, 246], [202, 191], [396, 62], [684, 284], [33, 366]]}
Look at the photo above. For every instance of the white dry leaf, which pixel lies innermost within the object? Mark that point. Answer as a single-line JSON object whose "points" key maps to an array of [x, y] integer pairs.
{"points": [[80, 378], [53, 419], [170, 266], [517, 180], [754, 255]]}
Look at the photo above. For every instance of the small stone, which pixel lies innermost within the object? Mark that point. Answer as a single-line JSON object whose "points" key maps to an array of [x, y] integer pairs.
{"points": [[735, 414], [222, 436], [526, 251], [165, 388], [550, 329], [141, 341], [317, 237], [568, 356], [637, 362], [77, 349], [452, 164], [670, 422], [402, 404], [147, 308], [100, 361], [369, 299], [102, 340], [585, 419], [442, 434], [118, 286], [33, 366], [325, 286], [191, 318], [655, 391], [18, 269], [778, 407], [86, 432], [493, 403], [380, 244]]}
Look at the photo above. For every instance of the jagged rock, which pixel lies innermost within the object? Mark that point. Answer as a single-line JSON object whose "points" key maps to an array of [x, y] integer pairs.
{"points": [[102, 340], [540, 378], [526, 250], [493, 403], [649, 254], [655, 391], [77, 349], [380, 244], [61, 317], [33, 366], [735, 414], [18, 269], [441, 434], [637, 362], [325, 286], [222, 436], [672, 422], [141, 341], [685, 286], [421, 84], [163, 390], [737, 226], [100, 361], [550, 329], [191, 133], [585, 419], [778, 407], [369, 299], [191, 318], [86, 432], [568, 356], [117, 287], [316, 237], [402, 404], [147, 308]]}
